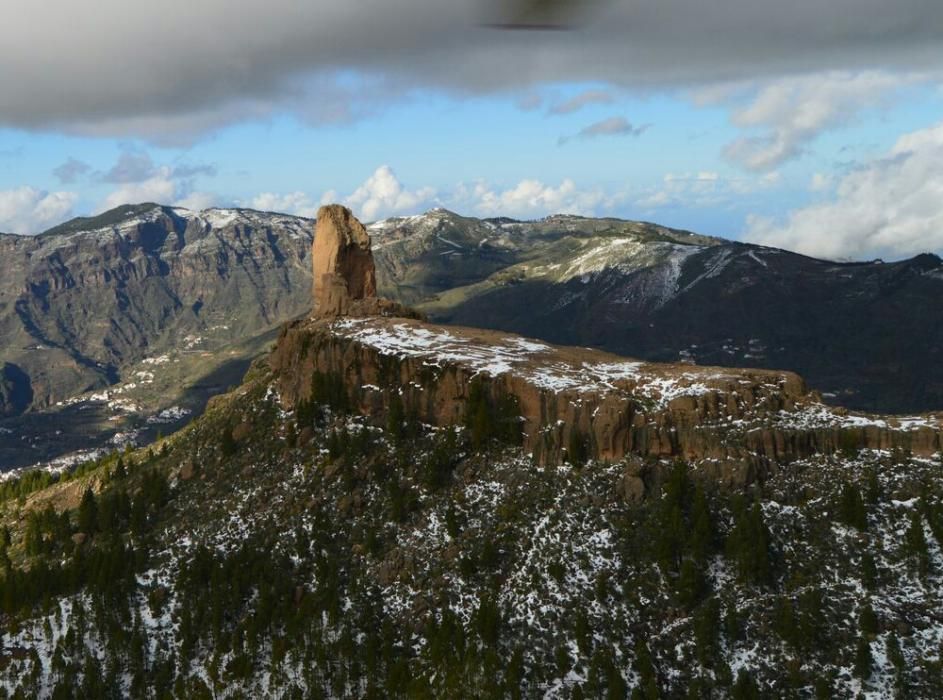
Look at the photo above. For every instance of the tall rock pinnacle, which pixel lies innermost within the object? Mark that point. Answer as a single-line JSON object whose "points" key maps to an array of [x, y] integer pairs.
{"points": [[342, 262]]}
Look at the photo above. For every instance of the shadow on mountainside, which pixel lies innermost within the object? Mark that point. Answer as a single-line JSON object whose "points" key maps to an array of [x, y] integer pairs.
{"points": [[882, 352], [44, 436]]}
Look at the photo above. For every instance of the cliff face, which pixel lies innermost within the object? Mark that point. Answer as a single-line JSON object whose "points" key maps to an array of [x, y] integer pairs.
{"points": [[80, 304], [577, 400]]}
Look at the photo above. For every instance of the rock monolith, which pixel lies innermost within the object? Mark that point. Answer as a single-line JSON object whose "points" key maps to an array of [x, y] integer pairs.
{"points": [[342, 262]]}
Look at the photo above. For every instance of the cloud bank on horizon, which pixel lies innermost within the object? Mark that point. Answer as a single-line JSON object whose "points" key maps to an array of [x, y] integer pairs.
{"points": [[785, 76]]}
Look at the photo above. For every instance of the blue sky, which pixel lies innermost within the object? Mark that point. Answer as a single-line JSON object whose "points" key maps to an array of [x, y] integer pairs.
{"points": [[773, 151]]}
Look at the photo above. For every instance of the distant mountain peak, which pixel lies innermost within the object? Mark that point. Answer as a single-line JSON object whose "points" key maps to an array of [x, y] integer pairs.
{"points": [[105, 219]]}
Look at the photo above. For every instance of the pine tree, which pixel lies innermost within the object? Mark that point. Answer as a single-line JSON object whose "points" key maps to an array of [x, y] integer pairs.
{"points": [[786, 624], [227, 444], [851, 510], [648, 681], [745, 688], [138, 520], [872, 489], [868, 620], [88, 513], [915, 543], [706, 628], [896, 657], [702, 527], [810, 619], [864, 661], [395, 417], [749, 544], [869, 571]]}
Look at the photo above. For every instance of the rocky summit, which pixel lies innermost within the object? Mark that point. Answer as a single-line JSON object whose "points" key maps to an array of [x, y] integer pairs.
{"points": [[391, 508], [344, 274], [343, 268]]}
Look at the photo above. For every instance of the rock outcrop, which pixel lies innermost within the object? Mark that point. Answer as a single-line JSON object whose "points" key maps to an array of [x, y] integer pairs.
{"points": [[344, 273], [740, 423], [342, 262]]}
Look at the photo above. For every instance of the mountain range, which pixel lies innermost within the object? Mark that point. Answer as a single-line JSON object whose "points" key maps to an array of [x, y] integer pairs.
{"points": [[386, 507], [108, 321]]}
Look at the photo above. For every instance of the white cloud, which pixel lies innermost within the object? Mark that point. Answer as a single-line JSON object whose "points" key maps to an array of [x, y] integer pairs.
{"points": [[159, 188], [821, 182], [532, 198], [783, 117], [27, 210], [298, 203], [704, 189], [197, 201], [891, 207], [139, 179], [383, 194]]}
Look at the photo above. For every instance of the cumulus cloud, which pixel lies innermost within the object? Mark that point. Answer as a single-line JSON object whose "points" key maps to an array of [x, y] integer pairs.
{"points": [[531, 198], [577, 102], [383, 194], [197, 201], [297, 203], [220, 65], [613, 126], [26, 210], [703, 189], [891, 207], [140, 179], [785, 115], [159, 188], [380, 195], [71, 170]]}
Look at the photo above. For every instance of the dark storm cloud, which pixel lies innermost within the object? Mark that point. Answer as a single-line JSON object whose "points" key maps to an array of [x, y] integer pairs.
{"points": [[184, 67]]}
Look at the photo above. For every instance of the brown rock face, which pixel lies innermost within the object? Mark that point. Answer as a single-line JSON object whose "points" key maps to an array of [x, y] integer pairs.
{"points": [[743, 424], [343, 264]]}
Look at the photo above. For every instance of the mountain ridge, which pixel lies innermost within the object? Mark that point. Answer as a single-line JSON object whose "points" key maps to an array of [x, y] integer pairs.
{"points": [[81, 311]]}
